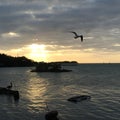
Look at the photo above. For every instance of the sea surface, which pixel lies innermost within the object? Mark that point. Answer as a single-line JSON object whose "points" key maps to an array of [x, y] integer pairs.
{"points": [[39, 91]]}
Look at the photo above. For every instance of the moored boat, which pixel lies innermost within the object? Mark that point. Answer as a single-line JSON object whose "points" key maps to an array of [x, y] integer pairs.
{"points": [[79, 98]]}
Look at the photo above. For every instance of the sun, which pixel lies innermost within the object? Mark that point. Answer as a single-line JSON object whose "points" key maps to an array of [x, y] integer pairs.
{"points": [[37, 52], [36, 47]]}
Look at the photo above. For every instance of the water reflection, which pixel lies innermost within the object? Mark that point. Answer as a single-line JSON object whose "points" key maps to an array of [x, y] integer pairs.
{"points": [[8, 99], [36, 91]]}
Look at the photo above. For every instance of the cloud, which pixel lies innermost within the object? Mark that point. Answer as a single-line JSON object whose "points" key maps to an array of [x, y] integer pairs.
{"points": [[10, 34], [49, 21]]}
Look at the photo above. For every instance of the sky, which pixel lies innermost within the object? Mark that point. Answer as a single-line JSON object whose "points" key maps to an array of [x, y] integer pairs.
{"points": [[40, 30]]}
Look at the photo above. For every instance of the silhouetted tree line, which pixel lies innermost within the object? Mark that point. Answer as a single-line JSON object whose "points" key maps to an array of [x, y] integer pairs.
{"points": [[9, 61]]}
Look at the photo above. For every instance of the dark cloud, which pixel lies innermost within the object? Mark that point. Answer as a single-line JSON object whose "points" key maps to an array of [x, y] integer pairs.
{"points": [[50, 20]]}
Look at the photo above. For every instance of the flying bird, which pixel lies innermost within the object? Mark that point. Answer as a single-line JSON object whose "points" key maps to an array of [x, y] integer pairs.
{"points": [[77, 36]]}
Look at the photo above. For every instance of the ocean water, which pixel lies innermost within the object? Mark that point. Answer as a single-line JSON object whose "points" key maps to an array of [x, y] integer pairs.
{"points": [[100, 81]]}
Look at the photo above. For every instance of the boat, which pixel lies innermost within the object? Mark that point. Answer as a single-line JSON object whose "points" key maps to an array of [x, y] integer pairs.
{"points": [[6, 91], [79, 98]]}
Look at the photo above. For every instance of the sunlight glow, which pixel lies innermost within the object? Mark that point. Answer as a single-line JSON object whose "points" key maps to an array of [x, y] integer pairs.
{"points": [[51, 53], [37, 52]]}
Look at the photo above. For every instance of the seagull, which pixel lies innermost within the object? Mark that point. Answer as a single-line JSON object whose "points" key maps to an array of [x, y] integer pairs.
{"points": [[77, 36], [9, 86]]}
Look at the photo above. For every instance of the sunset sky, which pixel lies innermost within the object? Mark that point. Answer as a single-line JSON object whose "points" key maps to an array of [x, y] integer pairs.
{"points": [[39, 30]]}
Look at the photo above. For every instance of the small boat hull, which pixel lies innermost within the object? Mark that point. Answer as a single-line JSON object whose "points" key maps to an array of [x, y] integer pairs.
{"points": [[79, 98]]}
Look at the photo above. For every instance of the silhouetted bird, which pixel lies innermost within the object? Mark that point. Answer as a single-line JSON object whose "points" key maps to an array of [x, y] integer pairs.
{"points": [[9, 86], [77, 36]]}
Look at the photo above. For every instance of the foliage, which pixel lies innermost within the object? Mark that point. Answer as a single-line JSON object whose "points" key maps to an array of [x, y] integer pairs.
{"points": [[9, 61]]}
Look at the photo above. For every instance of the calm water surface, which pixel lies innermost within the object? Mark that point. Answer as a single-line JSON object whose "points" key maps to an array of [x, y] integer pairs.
{"points": [[101, 82]]}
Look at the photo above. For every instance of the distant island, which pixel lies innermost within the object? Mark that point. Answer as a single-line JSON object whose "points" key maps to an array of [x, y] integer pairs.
{"points": [[49, 67], [68, 63]]}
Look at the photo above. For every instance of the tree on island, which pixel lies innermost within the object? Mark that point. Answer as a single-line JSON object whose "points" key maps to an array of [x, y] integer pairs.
{"points": [[9, 61]]}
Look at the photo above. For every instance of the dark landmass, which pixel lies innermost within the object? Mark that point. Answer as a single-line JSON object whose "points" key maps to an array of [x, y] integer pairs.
{"points": [[8, 61], [49, 67], [68, 63], [6, 91]]}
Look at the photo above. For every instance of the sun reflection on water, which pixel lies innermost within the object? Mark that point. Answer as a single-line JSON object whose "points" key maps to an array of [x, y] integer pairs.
{"points": [[36, 94]]}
